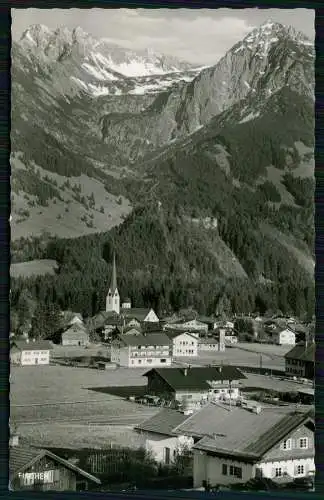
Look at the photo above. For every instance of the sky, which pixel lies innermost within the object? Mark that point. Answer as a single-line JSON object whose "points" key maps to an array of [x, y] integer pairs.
{"points": [[199, 36]]}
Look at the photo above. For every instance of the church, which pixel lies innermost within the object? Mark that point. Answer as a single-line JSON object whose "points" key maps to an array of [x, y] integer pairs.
{"points": [[127, 315]]}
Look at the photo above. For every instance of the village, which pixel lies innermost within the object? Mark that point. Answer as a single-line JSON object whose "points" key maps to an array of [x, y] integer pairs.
{"points": [[212, 403]]}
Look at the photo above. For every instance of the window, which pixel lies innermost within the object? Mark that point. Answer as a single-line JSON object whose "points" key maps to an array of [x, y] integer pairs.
{"points": [[139, 361], [236, 471], [149, 361], [224, 470], [163, 360], [303, 443], [286, 445], [278, 472], [167, 455], [300, 470]]}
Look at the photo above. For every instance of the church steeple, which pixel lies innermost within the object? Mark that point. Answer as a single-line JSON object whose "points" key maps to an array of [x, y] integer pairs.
{"points": [[113, 299], [113, 283]]}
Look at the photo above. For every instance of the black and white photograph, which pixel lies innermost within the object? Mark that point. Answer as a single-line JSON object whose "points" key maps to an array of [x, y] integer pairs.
{"points": [[162, 278]]}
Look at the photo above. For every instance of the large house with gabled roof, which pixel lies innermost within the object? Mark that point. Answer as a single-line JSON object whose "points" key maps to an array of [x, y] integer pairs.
{"points": [[141, 350], [300, 360], [195, 383], [33, 469], [30, 352], [233, 444]]}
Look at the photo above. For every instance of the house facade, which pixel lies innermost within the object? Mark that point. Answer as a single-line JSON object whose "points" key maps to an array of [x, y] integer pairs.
{"points": [[300, 361], [30, 352], [133, 351], [285, 337], [76, 335], [289, 455], [33, 469], [183, 344], [208, 344]]}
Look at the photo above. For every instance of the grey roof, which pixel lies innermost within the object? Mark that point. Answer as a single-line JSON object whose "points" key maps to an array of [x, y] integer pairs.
{"points": [[23, 457], [158, 339], [301, 352], [196, 378], [239, 432], [228, 430], [38, 345], [163, 422], [105, 318], [138, 313]]}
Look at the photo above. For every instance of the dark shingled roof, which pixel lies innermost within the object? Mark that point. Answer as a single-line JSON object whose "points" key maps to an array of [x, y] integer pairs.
{"points": [[163, 422], [196, 377], [23, 457], [301, 352], [245, 434], [158, 339], [38, 345]]}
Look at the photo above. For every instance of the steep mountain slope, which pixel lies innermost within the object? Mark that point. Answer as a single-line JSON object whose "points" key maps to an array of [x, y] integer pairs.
{"points": [[221, 176], [270, 58], [73, 61]]}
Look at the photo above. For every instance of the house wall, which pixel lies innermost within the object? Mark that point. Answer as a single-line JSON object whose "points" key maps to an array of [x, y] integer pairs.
{"points": [[286, 337], [279, 453], [193, 396], [120, 354], [210, 469], [15, 356], [208, 347], [157, 386], [295, 367], [150, 361], [185, 345], [45, 475], [35, 357], [75, 339], [157, 445], [292, 467], [151, 317]]}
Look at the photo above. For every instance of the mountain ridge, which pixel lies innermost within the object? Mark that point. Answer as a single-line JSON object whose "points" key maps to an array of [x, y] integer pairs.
{"points": [[232, 162]]}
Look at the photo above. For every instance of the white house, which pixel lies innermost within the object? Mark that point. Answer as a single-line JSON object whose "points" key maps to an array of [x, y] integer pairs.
{"points": [[141, 350], [30, 352], [242, 445], [284, 337], [192, 325], [208, 344], [183, 343]]}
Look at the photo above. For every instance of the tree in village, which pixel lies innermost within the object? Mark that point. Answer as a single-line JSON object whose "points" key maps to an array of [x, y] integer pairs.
{"points": [[46, 321]]}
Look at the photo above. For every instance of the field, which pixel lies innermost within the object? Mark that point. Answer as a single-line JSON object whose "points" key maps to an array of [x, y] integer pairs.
{"points": [[54, 404], [33, 268], [82, 407]]}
